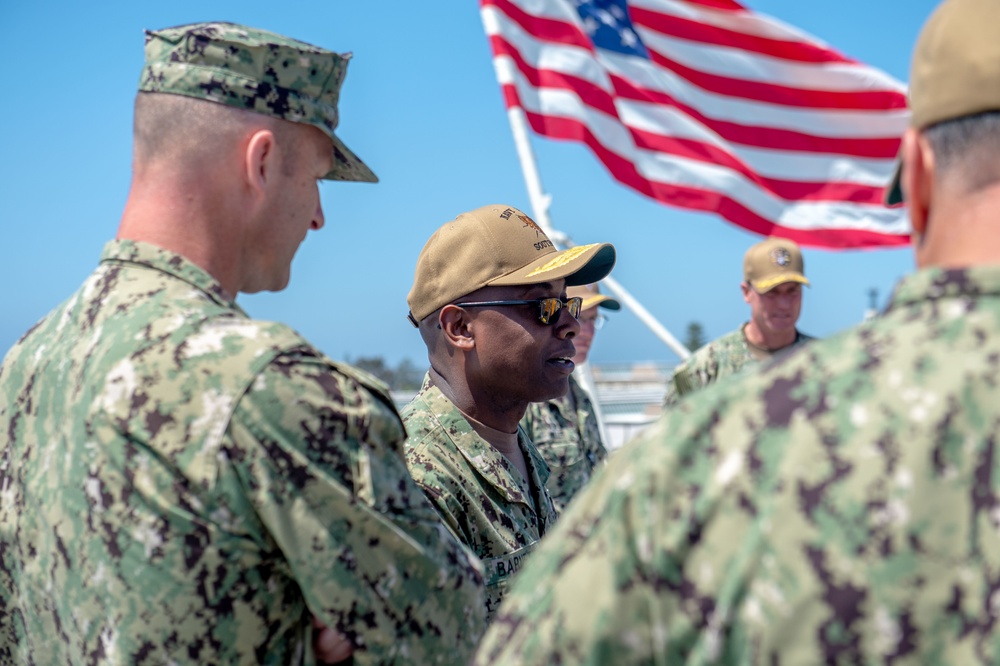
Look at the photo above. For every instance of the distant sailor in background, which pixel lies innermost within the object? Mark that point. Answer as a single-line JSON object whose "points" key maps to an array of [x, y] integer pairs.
{"points": [[565, 430], [773, 275]]}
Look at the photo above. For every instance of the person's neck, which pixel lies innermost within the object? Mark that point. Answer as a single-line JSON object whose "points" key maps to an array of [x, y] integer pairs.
{"points": [[961, 231], [478, 405], [768, 341], [186, 224]]}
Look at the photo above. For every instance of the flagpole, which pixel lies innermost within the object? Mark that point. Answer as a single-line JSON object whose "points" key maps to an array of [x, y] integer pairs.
{"points": [[540, 207], [648, 319], [539, 200]]}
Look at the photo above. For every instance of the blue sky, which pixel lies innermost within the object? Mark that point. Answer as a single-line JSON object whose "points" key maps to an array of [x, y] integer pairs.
{"points": [[422, 107]]}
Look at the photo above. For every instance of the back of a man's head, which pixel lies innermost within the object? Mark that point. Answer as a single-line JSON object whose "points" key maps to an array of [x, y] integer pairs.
{"points": [[948, 173], [186, 132], [954, 95]]}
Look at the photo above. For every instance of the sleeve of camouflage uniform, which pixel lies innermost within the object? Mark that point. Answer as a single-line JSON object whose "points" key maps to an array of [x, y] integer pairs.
{"points": [[674, 394], [557, 445], [586, 597], [440, 477], [698, 371], [569, 441], [321, 463]]}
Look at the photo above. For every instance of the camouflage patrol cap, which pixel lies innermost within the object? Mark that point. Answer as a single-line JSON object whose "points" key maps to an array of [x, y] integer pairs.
{"points": [[496, 245], [955, 70], [255, 70], [772, 262]]}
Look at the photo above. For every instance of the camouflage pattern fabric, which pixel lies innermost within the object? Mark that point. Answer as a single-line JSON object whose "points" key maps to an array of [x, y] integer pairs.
{"points": [[569, 440], [257, 70], [181, 484], [720, 358], [481, 496], [838, 507]]}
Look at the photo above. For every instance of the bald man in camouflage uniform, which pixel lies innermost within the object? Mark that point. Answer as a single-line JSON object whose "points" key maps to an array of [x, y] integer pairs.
{"points": [[839, 507], [180, 483], [489, 301], [565, 430], [773, 276]]}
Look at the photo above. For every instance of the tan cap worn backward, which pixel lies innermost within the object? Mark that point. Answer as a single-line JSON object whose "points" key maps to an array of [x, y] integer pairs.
{"points": [[497, 245], [255, 70], [592, 296], [772, 262], [955, 70]]}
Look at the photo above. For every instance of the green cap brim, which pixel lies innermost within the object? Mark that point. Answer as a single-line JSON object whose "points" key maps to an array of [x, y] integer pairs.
{"points": [[347, 166], [893, 192]]}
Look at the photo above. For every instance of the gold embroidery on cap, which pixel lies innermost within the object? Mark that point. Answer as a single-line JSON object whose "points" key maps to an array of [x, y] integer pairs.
{"points": [[528, 222], [780, 256], [561, 259]]}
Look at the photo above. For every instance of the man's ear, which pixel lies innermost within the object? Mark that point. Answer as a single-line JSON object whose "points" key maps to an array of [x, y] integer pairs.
{"points": [[745, 288], [260, 160], [917, 179], [456, 327]]}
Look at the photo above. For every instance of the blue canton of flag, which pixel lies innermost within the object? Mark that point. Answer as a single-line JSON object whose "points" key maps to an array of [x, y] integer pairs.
{"points": [[608, 24]]}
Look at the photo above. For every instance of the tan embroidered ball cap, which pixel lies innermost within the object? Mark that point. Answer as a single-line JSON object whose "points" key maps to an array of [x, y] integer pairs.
{"points": [[956, 68], [496, 245], [772, 262], [592, 296]]}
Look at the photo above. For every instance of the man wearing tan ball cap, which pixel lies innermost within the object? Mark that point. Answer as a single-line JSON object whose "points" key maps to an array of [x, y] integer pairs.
{"points": [[489, 299], [773, 275]]}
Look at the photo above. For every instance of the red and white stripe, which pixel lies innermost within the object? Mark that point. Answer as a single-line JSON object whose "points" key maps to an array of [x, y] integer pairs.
{"points": [[736, 113]]}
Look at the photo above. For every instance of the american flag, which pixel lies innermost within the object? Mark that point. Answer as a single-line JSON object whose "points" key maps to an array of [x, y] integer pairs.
{"points": [[706, 105]]}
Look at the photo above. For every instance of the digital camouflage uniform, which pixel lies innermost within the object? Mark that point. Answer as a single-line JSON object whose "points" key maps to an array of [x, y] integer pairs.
{"points": [[481, 495], [569, 440], [839, 507], [720, 358], [181, 484]]}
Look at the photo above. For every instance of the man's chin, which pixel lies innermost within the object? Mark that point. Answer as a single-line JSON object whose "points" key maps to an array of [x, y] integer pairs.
{"points": [[276, 284], [556, 390]]}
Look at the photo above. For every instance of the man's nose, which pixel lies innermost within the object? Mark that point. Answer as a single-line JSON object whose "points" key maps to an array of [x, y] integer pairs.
{"points": [[318, 219], [568, 326]]}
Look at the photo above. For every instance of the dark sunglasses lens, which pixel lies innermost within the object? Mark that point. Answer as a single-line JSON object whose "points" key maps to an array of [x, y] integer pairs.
{"points": [[548, 310], [573, 305]]}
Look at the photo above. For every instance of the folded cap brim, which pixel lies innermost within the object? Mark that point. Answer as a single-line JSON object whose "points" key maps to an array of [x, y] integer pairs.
{"points": [[347, 166], [767, 284], [893, 192], [578, 265]]}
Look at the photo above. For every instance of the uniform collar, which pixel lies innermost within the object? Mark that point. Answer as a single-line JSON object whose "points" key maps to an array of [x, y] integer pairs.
{"points": [[491, 465], [935, 283], [151, 256]]}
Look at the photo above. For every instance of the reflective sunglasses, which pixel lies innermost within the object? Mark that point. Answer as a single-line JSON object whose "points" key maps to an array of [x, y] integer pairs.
{"points": [[549, 309]]}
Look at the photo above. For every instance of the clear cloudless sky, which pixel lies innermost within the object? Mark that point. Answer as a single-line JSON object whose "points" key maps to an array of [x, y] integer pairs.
{"points": [[422, 107]]}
